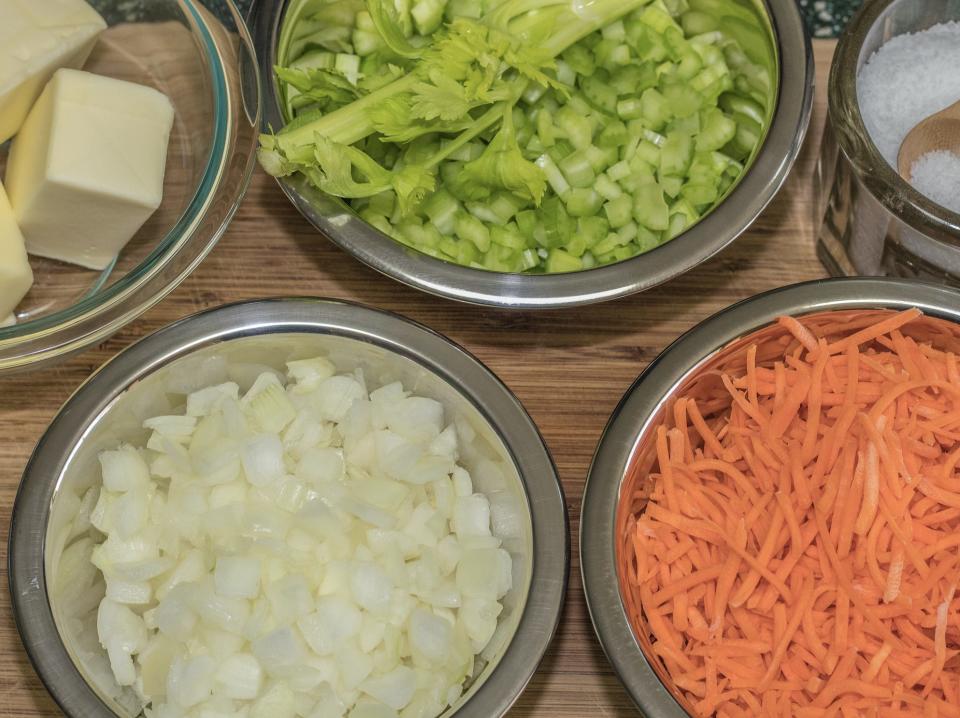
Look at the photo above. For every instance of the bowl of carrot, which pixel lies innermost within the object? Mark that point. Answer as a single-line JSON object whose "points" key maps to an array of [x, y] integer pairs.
{"points": [[771, 524]]}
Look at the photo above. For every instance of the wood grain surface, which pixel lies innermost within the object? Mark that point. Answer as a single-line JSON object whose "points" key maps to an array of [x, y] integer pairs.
{"points": [[568, 367]]}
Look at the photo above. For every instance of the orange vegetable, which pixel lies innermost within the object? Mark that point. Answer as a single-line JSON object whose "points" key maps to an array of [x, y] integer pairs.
{"points": [[791, 543]]}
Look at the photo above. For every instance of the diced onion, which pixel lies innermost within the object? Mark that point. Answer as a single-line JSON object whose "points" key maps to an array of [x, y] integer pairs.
{"points": [[304, 548]]}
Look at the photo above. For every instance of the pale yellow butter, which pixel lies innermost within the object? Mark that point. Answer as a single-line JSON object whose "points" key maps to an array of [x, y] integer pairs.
{"points": [[15, 273], [86, 170], [36, 38]]}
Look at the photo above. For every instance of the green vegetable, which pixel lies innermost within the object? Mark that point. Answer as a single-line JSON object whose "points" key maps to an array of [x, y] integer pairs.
{"points": [[523, 135]]}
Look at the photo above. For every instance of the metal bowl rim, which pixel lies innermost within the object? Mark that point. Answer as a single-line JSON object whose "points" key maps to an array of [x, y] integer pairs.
{"points": [[435, 353], [640, 403]]}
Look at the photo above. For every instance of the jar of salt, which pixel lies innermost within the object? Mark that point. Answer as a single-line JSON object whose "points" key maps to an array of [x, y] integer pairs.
{"points": [[897, 63]]}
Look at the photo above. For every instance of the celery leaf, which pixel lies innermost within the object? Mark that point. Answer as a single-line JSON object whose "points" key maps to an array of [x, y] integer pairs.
{"points": [[502, 166]]}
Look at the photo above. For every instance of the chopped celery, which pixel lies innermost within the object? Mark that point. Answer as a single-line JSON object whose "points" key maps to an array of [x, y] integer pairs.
{"points": [[556, 223], [630, 108], [580, 59], [482, 211], [471, 229], [613, 135], [598, 91], [607, 188], [559, 150], [614, 31], [427, 15], [441, 208], [633, 79], [553, 174], [738, 105], [704, 193], [676, 154], [671, 185], [690, 67], [565, 74], [561, 261], [650, 208], [576, 246], [717, 130], [689, 125], [523, 135], [377, 220], [619, 211], [618, 171], [504, 206], [577, 128], [659, 20], [628, 232], [508, 236], [654, 108], [601, 157], [646, 239], [383, 203], [546, 130], [697, 23], [682, 99], [592, 229], [577, 169], [648, 152], [527, 223], [529, 259], [583, 202]]}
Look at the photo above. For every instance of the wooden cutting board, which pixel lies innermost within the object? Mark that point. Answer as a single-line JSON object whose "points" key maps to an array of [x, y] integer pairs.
{"points": [[568, 367]]}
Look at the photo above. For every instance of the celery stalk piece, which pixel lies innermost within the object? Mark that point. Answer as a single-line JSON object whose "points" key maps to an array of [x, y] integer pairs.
{"points": [[649, 208], [351, 123]]}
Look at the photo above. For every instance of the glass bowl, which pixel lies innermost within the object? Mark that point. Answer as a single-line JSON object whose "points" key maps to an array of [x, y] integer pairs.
{"points": [[871, 221], [207, 69]]}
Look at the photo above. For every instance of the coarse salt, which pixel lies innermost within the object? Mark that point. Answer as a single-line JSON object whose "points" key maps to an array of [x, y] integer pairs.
{"points": [[909, 78], [937, 175]]}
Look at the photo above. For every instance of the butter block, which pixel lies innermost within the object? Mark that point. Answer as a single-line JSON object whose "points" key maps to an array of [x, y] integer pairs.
{"points": [[86, 170], [15, 273], [37, 37]]}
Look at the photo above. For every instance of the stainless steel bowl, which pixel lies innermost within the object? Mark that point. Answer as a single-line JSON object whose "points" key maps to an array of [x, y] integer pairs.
{"points": [[152, 376], [626, 439], [872, 221], [526, 291]]}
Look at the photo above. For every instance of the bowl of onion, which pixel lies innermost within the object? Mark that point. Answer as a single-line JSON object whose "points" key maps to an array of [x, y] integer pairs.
{"points": [[290, 507]]}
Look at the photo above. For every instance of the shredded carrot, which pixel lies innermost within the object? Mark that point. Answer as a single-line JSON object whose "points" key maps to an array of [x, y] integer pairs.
{"points": [[791, 541]]}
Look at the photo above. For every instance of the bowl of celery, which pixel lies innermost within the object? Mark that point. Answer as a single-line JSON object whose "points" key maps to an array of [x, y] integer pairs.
{"points": [[532, 153]]}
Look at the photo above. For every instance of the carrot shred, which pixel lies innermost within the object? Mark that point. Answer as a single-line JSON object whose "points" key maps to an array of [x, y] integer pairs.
{"points": [[797, 548]]}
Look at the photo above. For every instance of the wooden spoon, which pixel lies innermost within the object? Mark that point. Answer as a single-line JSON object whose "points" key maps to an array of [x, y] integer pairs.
{"points": [[940, 131]]}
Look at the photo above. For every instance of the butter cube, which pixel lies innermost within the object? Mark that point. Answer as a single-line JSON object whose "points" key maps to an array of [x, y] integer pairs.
{"points": [[37, 38], [86, 170], [15, 274]]}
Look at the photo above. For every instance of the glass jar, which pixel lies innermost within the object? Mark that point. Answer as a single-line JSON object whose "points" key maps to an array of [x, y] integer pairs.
{"points": [[872, 222]]}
